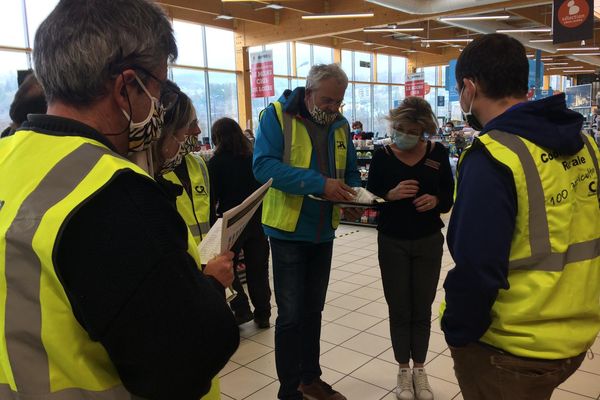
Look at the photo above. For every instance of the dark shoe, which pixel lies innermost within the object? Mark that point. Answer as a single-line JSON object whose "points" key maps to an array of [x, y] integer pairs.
{"points": [[262, 322], [319, 390], [243, 317]]}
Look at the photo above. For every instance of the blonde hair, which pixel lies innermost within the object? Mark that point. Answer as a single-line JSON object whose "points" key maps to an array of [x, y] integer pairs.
{"points": [[414, 110]]}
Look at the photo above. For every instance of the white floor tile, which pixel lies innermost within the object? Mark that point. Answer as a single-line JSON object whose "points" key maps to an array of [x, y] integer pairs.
{"points": [[368, 293], [354, 388], [265, 365], [249, 351], [353, 267], [268, 392], [348, 257], [443, 390], [358, 321], [337, 334], [583, 383], [360, 279], [442, 367], [564, 395], [343, 287], [331, 313], [378, 372], [368, 343], [330, 376], [325, 346], [266, 338], [372, 271], [229, 367], [349, 302], [368, 262], [375, 309], [340, 275], [344, 360], [381, 329], [243, 382]]}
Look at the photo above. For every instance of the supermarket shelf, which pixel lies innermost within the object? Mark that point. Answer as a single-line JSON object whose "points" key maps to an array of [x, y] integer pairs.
{"points": [[357, 223]]}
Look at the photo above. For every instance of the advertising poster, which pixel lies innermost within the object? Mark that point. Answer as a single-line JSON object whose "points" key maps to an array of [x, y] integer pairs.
{"points": [[415, 85], [573, 20], [261, 74]]}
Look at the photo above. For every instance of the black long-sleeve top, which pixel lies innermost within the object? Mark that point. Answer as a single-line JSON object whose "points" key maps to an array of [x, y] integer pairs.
{"points": [[400, 219], [122, 260]]}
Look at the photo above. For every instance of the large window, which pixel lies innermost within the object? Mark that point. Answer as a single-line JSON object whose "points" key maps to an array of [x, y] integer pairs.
{"points": [[281, 58], [302, 59], [190, 42], [362, 67], [398, 69], [322, 55], [362, 105], [37, 11], [381, 107], [11, 62], [348, 109], [223, 95], [12, 27], [220, 48], [383, 68], [193, 83]]}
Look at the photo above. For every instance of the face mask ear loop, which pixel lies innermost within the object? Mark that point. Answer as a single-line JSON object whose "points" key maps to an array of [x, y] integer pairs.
{"points": [[129, 114]]}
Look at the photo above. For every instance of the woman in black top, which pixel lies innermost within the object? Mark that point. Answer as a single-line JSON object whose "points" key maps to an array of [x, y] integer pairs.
{"points": [[414, 175], [232, 181]]}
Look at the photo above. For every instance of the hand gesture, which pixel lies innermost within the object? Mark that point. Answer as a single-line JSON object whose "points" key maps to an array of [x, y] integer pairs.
{"points": [[336, 190], [403, 190], [221, 268]]}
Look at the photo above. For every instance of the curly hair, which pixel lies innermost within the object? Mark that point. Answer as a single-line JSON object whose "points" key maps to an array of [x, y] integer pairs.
{"points": [[414, 110]]}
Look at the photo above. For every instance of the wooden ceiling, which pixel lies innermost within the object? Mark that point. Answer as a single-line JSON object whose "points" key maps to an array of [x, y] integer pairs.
{"points": [[256, 23]]}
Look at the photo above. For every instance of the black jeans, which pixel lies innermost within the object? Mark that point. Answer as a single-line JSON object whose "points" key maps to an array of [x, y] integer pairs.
{"points": [[300, 276], [256, 257], [410, 270]]}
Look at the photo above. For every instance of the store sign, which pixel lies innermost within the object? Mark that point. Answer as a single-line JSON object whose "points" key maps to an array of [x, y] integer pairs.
{"points": [[415, 85], [441, 101], [573, 20], [453, 94], [261, 74], [365, 64]]}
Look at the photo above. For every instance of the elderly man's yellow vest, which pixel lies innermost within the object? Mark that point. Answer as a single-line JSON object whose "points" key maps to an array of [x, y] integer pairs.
{"points": [[552, 307], [44, 351], [195, 210], [281, 210]]}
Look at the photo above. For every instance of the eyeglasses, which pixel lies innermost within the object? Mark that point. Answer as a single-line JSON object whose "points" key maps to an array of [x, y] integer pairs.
{"points": [[169, 95]]}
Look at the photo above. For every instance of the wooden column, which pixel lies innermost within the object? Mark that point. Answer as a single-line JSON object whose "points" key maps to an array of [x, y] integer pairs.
{"points": [[242, 66]]}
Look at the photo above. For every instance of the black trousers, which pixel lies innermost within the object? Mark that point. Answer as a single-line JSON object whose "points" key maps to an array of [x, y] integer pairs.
{"points": [[256, 257], [410, 270]]}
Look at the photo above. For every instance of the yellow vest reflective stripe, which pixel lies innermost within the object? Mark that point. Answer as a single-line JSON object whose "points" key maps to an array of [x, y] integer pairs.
{"points": [[45, 353], [551, 309], [281, 210], [196, 210]]}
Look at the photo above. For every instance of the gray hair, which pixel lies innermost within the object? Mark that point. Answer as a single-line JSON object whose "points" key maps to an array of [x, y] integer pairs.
{"points": [[84, 43], [322, 72]]}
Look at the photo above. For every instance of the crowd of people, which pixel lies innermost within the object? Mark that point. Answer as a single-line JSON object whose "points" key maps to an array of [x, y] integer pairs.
{"points": [[104, 202]]}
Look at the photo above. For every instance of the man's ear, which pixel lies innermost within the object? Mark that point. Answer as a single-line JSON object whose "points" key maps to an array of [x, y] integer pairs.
{"points": [[123, 87]]}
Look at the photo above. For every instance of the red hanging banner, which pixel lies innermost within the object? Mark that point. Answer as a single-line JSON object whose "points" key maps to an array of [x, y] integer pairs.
{"points": [[261, 74]]}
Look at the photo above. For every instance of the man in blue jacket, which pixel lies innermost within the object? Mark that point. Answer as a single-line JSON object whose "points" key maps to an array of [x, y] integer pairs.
{"points": [[304, 144], [522, 303]]}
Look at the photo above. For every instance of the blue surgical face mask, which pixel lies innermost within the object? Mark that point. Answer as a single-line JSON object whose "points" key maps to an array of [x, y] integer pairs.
{"points": [[404, 141]]}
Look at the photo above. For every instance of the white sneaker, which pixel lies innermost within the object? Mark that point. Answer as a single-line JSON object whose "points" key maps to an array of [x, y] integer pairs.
{"points": [[404, 390], [422, 388]]}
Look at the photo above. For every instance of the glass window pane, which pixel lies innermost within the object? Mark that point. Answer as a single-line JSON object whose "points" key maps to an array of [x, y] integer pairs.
{"points": [[192, 83], [398, 69], [298, 83], [12, 28], [397, 96], [257, 106], [362, 72], [362, 105], [37, 11], [348, 109], [443, 111], [431, 98], [11, 62], [223, 95], [381, 108], [302, 59], [322, 55], [281, 84], [383, 68], [281, 58], [347, 63], [220, 48], [189, 42], [430, 75]]}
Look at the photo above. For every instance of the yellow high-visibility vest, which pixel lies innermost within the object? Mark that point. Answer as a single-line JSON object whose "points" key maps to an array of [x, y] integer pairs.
{"points": [[551, 309], [195, 210], [281, 210], [44, 352]]}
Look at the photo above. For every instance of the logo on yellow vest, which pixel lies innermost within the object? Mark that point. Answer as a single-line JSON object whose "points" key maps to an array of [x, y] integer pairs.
{"points": [[1, 204], [341, 145], [201, 190]]}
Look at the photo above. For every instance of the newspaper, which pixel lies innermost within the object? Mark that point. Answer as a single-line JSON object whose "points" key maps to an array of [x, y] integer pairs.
{"points": [[225, 232]]}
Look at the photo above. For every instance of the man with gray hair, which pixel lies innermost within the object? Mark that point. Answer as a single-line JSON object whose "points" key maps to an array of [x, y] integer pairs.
{"points": [[102, 295], [304, 144]]}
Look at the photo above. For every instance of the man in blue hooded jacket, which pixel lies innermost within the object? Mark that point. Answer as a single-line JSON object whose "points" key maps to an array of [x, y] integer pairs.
{"points": [[522, 303], [304, 144]]}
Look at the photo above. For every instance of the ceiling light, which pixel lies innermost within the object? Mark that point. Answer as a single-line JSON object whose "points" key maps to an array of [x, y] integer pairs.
{"points": [[393, 29], [539, 30], [577, 48], [368, 43], [579, 71], [446, 40], [585, 54], [541, 40], [410, 51], [275, 6], [415, 37], [339, 15], [565, 68], [546, 59], [556, 63], [474, 18], [223, 16]]}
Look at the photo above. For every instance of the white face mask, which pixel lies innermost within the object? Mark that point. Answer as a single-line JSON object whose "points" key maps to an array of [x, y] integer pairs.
{"points": [[142, 134]]}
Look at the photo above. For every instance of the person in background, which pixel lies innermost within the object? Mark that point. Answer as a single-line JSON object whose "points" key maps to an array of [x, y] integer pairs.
{"points": [[357, 130], [186, 172], [304, 144], [249, 135], [110, 303], [414, 175], [29, 99], [232, 182], [523, 301], [448, 128]]}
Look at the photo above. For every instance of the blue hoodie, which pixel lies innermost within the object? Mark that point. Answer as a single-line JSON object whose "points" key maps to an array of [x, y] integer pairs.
{"points": [[483, 219], [314, 224]]}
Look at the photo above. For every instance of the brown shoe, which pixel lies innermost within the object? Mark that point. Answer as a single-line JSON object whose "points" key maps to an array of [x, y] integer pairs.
{"points": [[319, 390]]}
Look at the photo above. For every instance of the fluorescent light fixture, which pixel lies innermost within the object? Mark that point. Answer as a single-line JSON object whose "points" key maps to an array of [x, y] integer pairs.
{"points": [[475, 18], [415, 37], [367, 43], [546, 58], [275, 6], [410, 51], [446, 40], [538, 30], [585, 54], [577, 48], [556, 63], [530, 55], [540, 40], [393, 29], [225, 17], [579, 71], [565, 68], [339, 15]]}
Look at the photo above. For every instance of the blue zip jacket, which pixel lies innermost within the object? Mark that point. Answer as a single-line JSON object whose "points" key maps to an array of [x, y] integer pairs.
{"points": [[314, 224], [483, 219]]}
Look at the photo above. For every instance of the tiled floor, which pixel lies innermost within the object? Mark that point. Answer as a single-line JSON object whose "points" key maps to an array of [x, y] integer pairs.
{"points": [[356, 353]]}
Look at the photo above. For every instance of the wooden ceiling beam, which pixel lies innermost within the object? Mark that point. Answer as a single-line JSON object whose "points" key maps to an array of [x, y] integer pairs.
{"points": [[244, 12], [197, 17]]}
